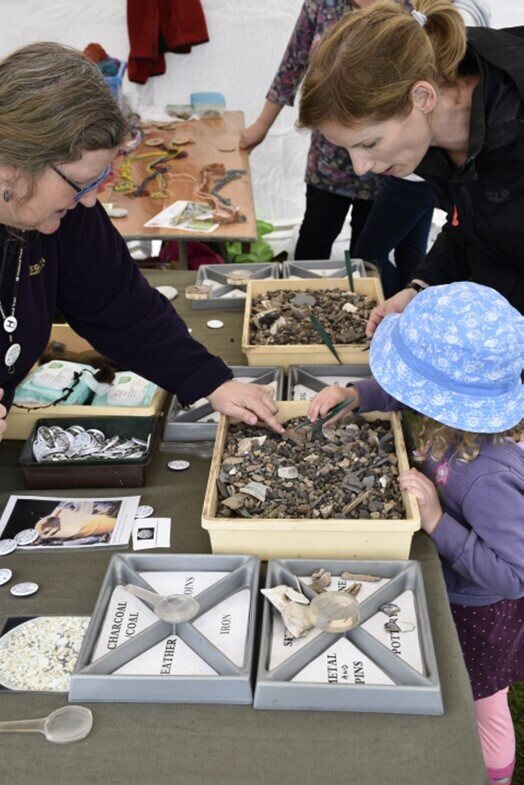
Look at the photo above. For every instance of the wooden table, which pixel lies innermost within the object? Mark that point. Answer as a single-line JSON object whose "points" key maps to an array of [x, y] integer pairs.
{"points": [[211, 138]]}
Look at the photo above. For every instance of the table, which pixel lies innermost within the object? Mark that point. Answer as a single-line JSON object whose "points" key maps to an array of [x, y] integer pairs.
{"points": [[148, 744], [211, 138]]}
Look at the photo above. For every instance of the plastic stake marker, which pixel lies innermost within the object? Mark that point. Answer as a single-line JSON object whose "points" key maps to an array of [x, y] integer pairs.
{"points": [[324, 336], [349, 270]]}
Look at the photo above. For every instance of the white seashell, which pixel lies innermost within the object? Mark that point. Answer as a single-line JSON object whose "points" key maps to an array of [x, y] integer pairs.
{"points": [[349, 308], [277, 596], [297, 619], [296, 596]]}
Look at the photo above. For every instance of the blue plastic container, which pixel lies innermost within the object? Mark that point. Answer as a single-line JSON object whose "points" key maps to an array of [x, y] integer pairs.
{"points": [[208, 104], [115, 82]]}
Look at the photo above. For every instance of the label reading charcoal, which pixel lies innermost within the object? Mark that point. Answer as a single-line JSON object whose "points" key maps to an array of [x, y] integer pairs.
{"points": [[283, 644], [343, 663], [188, 583], [170, 657], [226, 625], [126, 615], [405, 645]]}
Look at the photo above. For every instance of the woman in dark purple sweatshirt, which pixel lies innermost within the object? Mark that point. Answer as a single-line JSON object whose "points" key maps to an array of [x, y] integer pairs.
{"points": [[60, 129], [455, 356]]}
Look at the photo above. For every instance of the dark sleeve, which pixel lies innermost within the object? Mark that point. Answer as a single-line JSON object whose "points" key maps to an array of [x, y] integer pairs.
{"points": [[375, 399], [446, 261], [296, 57], [106, 300]]}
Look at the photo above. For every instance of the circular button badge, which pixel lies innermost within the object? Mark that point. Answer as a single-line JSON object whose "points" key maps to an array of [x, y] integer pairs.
{"points": [[26, 536], [143, 511], [7, 546], [178, 466], [10, 324], [24, 589], [12, 354], [215, 324], [5, 575]]}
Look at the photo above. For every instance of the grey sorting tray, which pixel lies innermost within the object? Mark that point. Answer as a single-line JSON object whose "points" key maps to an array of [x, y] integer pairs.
{"points": [[219, 272], [312, 376], [322, 269], [413, 691], [182, 424], [95, 679]]}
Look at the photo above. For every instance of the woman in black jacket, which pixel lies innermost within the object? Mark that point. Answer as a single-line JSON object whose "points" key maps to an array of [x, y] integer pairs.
{"points": [[446, 104]]}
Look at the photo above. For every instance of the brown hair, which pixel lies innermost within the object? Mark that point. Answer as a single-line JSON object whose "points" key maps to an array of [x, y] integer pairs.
{"points": [[435, 439], [365, 65], [54, 106]]}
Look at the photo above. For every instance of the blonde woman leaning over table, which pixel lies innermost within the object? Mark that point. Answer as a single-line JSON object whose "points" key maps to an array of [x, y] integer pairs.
{"points": [[60, 129], [448, 105]]}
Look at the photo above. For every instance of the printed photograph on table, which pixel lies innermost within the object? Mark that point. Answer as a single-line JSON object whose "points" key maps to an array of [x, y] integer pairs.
{"points": [[188, 216], [39, 653], [37, 522]]}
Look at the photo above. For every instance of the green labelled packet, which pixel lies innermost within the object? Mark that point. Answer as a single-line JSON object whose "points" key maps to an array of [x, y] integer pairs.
{"points": [[127, 389], [50, 381]]}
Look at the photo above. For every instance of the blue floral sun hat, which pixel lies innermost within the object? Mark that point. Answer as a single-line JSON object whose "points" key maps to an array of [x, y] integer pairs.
{"points": [[455, 354]]}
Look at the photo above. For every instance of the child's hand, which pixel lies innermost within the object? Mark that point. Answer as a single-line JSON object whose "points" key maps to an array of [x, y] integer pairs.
{"points": [[425, 492], [329, 397]]}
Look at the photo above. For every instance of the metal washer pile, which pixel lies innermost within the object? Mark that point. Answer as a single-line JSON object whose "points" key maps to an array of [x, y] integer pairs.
{"points": [[53, 443]]}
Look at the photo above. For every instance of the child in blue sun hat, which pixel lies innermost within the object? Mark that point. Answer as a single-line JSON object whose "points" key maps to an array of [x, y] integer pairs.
{"points": [[455, 356]]}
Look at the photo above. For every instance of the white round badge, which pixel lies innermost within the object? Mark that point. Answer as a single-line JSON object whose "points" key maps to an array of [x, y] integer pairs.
{"points": [[178, 466], [143, 511], [24, 589], [10, 324], [168, 291], [7, 546], [215, 324], [26, 536], [12, 354], [5, 575]]}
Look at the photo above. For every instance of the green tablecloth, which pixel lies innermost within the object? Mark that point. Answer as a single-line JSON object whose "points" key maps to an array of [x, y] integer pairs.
{"points": [[148, 744]]}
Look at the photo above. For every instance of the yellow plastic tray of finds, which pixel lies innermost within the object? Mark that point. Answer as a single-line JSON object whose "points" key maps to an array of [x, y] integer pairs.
{"points": [[305, 354], [315, 538], [20, 421]]}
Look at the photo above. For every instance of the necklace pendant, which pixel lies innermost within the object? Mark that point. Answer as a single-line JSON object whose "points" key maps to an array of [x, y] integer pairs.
{"points": [[12, 354], [10, 324]]}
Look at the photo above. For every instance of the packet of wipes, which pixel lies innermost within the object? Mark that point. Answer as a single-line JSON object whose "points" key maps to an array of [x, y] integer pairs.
{"points": [[127, 389], [51, 380]]}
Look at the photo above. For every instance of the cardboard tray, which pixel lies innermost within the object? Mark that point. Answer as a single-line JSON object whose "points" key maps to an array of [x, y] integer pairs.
{"points": [[182, 424], [21, 421], [316, 538], [96, 680], [314, 377], [219, 272], [407, 659], [300, 354], [91, 473], [322, 269]]}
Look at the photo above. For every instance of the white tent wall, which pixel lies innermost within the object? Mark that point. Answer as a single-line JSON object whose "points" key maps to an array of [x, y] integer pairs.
{"points": [[247, 40]]}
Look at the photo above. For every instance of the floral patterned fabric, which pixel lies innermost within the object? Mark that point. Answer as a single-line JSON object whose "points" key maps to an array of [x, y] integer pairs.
{"points": [[455, 354], [328, 167]]}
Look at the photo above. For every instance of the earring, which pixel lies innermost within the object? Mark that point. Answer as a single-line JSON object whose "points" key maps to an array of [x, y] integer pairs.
{"points": [[6, 194]]}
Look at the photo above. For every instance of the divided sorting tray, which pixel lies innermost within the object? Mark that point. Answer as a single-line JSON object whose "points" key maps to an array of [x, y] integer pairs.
{"points": [[200, 421], [365, 669], [304, 381], [129, 654], [322, 269], [331, 538], [297, 354], [227, 296]]}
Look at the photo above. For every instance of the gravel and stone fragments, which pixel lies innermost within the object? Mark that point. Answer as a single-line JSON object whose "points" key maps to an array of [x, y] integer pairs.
{"points": [[349, 472], [282, 317]]}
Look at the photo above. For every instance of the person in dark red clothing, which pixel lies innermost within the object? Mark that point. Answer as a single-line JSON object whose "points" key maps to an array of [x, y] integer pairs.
{"points": [[60, 129], [447, 104]]}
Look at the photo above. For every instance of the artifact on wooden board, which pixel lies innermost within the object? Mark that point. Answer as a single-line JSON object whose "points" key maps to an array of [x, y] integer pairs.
{"points": [[350, 474], [283, 316]]}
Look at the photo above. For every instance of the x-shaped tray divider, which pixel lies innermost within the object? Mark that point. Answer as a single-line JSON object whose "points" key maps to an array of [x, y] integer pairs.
{"points": [[397, 669], [142, 641]]}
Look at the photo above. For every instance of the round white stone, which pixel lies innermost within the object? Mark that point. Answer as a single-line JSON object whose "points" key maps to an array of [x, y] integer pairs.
{"points": [[178, 466], [7, 546], [143, 511], [24, 589], [215, 324], [168, 291], [5, 575]]}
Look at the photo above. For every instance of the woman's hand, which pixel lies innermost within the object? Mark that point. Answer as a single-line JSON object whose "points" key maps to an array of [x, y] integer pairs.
{"points": [[246, 402], [395, 304], [252, 136], [329, 397], [3, 415], [426, 494]]}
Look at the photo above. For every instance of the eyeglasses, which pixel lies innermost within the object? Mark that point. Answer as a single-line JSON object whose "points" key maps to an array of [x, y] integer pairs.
{"points": [[80, 192]]}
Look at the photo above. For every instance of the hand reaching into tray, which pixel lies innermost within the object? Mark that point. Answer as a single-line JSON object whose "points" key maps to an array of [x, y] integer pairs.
{"points": [[3, 415], [329, 397], [246, 402]]}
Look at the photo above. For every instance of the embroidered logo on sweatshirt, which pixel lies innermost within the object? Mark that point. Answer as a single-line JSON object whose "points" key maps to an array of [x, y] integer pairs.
{"points": [[498, 196], [36, 269], [442, 473]]}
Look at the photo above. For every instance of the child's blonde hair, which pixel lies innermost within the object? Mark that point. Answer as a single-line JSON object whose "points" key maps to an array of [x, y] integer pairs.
{"points": [[434, 439]]}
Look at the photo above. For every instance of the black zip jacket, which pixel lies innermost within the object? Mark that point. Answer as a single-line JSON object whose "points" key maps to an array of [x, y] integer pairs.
{"points": [[483, 239]]}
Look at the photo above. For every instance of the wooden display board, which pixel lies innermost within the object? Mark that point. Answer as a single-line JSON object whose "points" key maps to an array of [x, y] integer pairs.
{"points": [[211, 138]]}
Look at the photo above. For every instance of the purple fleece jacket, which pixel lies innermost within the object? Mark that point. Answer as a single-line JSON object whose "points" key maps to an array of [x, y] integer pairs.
{"points": [[85, 272], [480, 537]]}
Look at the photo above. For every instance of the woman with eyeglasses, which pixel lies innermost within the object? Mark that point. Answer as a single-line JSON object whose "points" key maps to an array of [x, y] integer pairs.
{"points": [[60, 129]]}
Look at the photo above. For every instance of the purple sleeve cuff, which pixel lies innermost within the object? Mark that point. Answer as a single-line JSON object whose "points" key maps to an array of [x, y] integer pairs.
{"points": [[374, 399], [450, 537]]}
